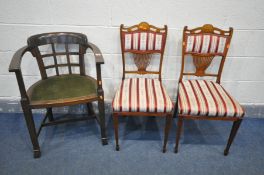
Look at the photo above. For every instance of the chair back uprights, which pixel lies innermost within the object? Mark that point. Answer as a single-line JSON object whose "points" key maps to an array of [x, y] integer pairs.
{"points": [[142, 41], [59, 53], [203, 44]]}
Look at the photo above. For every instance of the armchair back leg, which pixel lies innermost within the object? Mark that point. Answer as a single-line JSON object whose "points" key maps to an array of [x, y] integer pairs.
{"points": [[90, 108], [232, 135], [50, 114]]}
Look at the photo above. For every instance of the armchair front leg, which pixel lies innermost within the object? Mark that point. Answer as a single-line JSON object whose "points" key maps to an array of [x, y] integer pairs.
{"points": [[101, 105], [15, 66], [100, 92]]}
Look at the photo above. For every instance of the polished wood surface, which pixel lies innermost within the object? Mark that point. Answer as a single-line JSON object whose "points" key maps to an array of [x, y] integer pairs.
{"points": [[143, 54], [201, 62], [28, 103], [142, 59]]}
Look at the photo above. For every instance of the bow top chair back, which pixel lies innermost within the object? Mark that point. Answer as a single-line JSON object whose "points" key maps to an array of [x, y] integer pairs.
{"points": [[206, 99], [56, 45], [60, 58], [138, 95]]}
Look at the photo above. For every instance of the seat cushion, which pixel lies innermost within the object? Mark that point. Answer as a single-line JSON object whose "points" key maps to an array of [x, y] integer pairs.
{"points": [[62, 88], [206, 98], [141, 95]]}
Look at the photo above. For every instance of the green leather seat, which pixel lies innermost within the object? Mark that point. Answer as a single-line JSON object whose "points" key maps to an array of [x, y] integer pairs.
{"points": [[58, 89]]}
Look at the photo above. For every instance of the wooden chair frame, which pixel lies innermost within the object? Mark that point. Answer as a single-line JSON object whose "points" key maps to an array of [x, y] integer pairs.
{"points": [[143, 27], [200, 71], [27, 105]]}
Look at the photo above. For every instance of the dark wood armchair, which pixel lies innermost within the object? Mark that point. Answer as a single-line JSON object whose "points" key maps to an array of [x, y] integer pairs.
{"points": [[66, 88], [139, 95], [204, 99]]}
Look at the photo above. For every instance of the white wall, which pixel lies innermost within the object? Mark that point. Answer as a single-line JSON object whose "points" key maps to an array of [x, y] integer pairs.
{"points": [[100, 20]]}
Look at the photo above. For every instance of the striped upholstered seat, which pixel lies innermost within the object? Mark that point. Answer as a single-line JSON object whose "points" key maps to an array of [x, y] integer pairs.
{"points": [[142, 95], [200, 97]]}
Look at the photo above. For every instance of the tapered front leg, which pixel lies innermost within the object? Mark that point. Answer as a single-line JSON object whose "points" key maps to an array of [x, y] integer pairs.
{"points": [[166, 131], [232, 135], [178, 134], [115, 118], [31, 129]]}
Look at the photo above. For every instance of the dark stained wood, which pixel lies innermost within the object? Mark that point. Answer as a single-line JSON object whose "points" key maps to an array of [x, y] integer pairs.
{"points": [[68, 58], [66, 38], [62, 65], [115, 118], [16, 60], [55, 59], [98, 55], [31, 127], [90, 109], [50, 114]]}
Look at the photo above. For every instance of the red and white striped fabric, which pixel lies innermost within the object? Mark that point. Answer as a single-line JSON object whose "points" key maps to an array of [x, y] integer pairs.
{"points": [[141, 95], [143, 41], [206, 43], [206, 98]]}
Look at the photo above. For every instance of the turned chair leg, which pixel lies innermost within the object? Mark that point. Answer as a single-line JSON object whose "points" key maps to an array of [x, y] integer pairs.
{"points": [[232, 135], [32, 130], [115, 118], [178, 134], [102, 121], [50, 114], [166, 131]]}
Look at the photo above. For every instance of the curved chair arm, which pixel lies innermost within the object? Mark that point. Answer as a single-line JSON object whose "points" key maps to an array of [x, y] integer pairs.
{"points": [[97, 53], [15, 66], [98, 60], [16, 60]]}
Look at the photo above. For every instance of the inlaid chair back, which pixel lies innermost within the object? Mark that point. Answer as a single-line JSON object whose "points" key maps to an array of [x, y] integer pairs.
{"points": [[54, 46], [140, 95], [142, 41], [203, 44], [205, 99]]}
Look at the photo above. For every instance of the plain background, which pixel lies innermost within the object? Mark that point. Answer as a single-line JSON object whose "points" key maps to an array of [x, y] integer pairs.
{"points": [[100, 21]]}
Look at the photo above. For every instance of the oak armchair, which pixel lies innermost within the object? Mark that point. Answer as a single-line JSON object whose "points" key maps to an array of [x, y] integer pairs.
{"points": [[62, 88]]}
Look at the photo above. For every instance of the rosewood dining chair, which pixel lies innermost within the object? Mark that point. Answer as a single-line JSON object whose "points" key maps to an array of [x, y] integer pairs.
{"points": [[206, 99], [138, 94]]}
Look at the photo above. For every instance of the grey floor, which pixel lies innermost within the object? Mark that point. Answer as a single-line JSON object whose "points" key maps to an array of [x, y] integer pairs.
{"points": [[75, 148]]}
